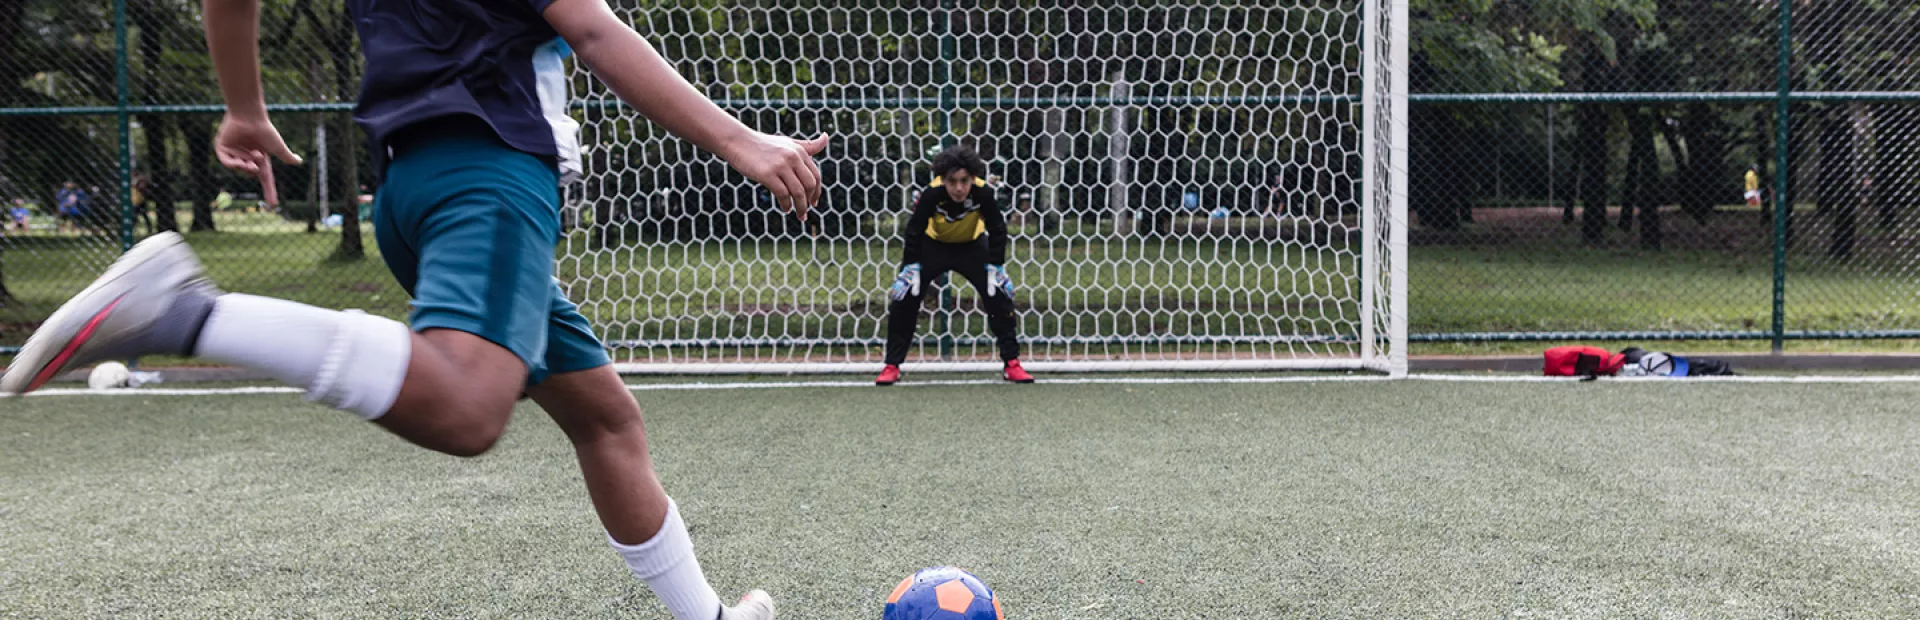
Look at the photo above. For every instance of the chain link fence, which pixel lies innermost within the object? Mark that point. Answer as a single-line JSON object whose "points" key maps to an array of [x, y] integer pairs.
{"points": [[107, 118], [1576, 170], [1616, 175]]}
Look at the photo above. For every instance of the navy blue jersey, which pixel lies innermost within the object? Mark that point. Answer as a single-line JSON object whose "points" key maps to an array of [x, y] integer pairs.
{"points": [[496, 60]]}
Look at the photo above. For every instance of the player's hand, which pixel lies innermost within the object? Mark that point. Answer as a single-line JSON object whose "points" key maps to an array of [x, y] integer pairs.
{"points": [[782, 164], [907, 281], [250, 145], [998, 280]]}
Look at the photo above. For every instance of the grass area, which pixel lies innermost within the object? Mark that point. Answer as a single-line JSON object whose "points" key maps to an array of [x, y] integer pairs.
{"points": [[1403, 500], [1082, 287], [1088, 285]]}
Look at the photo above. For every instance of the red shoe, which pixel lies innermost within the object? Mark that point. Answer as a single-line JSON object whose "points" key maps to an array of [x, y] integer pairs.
{"points": [[888, 376], [1017, 374]]}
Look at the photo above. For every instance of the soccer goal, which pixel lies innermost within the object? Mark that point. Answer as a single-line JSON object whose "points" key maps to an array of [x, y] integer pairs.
{"points": [[1189, 185]]}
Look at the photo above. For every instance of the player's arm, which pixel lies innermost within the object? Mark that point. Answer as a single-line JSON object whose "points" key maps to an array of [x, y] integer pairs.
{"points": [[998, 282], [233, 39], [915, 235], [637, 73], [996, 226], [247, 139], [907, 282]]}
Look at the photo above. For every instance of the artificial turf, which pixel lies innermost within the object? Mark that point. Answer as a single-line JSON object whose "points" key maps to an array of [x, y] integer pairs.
{"points": [[1350, 500]]}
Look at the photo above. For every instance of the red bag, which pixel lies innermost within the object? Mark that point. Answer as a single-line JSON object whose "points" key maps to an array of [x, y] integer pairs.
{"points": [[1583, 362]]}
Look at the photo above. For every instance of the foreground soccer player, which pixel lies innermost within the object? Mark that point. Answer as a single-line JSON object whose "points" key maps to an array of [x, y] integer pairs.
{"points": [[956, 226], [468, 98]]}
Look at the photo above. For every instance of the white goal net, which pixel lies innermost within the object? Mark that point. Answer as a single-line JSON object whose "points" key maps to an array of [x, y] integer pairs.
{"points": [[1189, 185]]}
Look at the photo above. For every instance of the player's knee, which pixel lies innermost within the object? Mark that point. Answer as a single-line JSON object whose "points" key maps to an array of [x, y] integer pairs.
{"points": [[464, 424], [479, 430]]}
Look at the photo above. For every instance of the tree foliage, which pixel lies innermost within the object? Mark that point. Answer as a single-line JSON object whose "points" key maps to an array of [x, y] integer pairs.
{"points": [[1641, 156]]}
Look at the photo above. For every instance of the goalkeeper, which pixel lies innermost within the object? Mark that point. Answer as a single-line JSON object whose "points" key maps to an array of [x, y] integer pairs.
{"points": [[956, 226]]}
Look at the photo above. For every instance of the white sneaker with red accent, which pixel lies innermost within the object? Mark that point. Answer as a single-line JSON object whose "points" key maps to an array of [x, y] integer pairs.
{"points": [[756, 605], [107, 319]]}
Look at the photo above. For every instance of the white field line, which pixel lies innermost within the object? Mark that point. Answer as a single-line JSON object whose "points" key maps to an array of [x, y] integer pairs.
{"points": [[1197, 380]]}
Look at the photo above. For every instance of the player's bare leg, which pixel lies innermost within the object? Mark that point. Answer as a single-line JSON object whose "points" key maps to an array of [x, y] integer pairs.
{"points": [[445, 390], [458, 394], [600, 416]]}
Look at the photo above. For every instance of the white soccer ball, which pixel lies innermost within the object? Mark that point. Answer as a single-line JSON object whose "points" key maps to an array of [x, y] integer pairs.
{"points": [[1657, 364], [109, 375]]}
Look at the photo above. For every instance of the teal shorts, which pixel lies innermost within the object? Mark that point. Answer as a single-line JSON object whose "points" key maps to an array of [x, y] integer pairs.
{"points": [[468, 225]]}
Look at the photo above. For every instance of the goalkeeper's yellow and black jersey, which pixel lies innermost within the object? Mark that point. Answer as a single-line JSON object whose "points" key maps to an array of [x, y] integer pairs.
{"points": [[939, 218]]}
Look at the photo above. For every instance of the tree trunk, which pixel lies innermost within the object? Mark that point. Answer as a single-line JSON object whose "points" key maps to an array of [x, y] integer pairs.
{"points": [[340, 43], [1670, 192], [1767, 164], [347, 168], [160, 178], [1856, 193], [1555, 181], [1895, 181], [1643, 179], [6, 296], [1634, 182], [316, 207], [1705, 150], [1053, 151], [1593, 159], [199, 135], [159, 190], [1832, 190], [1795, 149], [10, 13], [1866, 161], [1435, 178]]}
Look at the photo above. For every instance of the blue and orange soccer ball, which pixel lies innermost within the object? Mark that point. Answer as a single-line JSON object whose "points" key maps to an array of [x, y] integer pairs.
{"points": [[942, 593]]}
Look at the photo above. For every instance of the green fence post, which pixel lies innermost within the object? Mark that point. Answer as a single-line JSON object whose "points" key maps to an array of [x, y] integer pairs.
{"points": [[125, 128], [943, 125], [126, 124], [1782, 203]]}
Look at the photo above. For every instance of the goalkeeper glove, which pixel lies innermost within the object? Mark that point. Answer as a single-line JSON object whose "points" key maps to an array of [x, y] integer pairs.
{"points": [[998, 280], [908, 280]]}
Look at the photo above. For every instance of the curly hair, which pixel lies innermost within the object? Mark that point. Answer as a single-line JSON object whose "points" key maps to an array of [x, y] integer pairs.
{"points": [[959, 158]]}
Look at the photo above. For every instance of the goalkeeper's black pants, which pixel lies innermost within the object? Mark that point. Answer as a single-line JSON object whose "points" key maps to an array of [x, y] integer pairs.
{"points": [[970, 261]]}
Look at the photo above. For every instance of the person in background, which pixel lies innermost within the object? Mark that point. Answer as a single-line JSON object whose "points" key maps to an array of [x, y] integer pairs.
{"points": [[1753, 185], [142, 196], [956, 226], [21, 215], [71, 205]]}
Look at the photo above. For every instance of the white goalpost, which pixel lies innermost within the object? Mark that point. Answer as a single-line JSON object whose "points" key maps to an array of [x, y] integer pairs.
{"points": [[1189, 185]]}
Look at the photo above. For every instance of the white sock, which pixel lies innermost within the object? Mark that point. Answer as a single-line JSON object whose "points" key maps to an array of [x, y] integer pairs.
{"points": [[348, 360], [667, 564]]}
